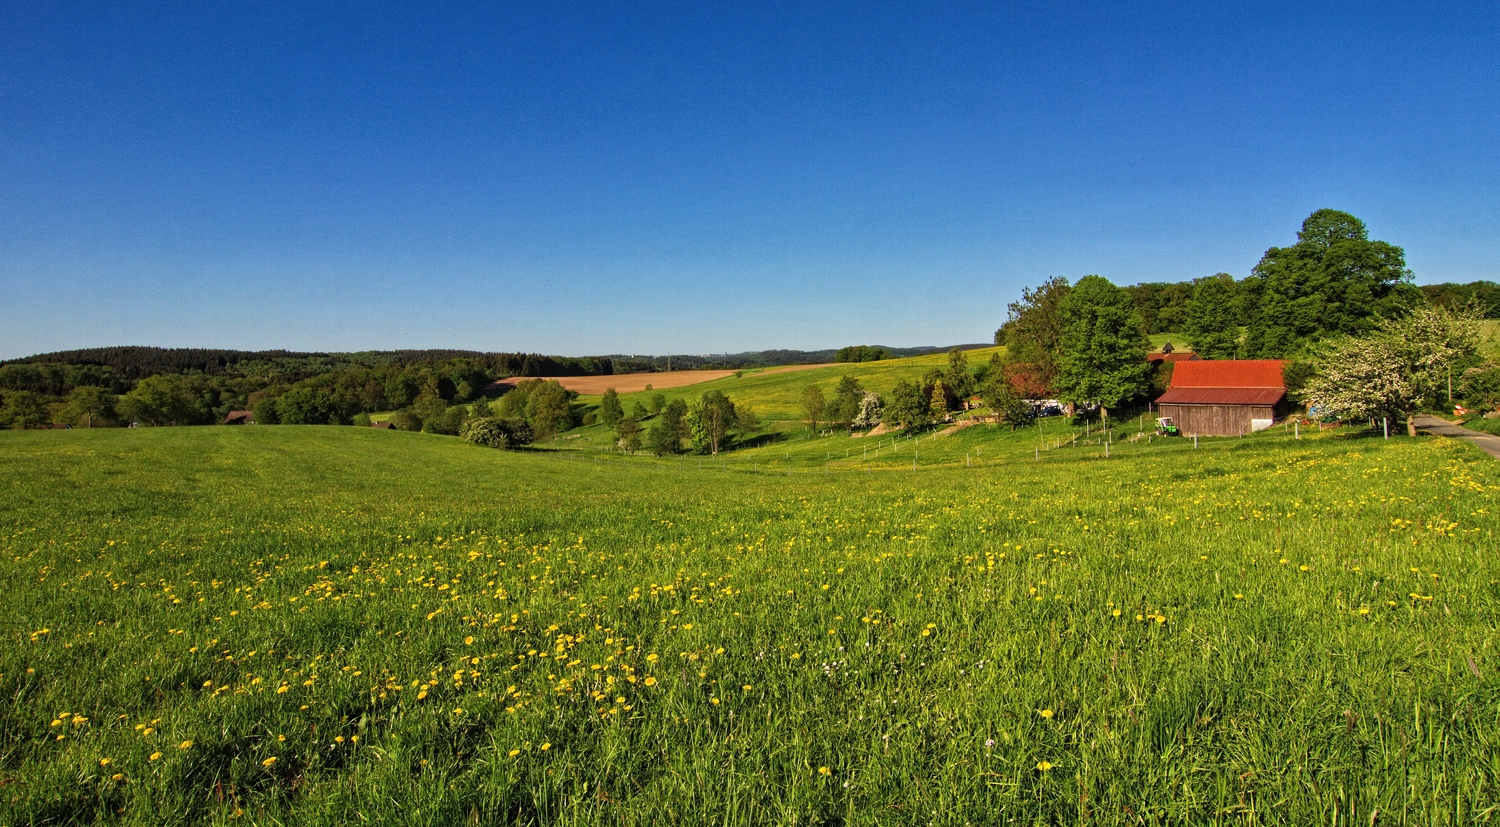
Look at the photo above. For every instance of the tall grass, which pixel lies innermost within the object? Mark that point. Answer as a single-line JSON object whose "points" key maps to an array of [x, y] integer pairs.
{"points": [[333, 625]]}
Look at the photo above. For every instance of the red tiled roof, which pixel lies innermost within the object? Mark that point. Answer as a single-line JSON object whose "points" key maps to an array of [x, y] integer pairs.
{"points": [[1228, 373], [1221, 396], [1172, 357]]}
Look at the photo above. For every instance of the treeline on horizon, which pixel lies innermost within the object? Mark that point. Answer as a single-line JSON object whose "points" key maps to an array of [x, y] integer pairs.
{"points": [[1164, 305], [432, 390]]}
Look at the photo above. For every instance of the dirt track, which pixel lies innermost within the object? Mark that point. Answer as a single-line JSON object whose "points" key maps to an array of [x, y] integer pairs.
{"points": [[634, 382]]}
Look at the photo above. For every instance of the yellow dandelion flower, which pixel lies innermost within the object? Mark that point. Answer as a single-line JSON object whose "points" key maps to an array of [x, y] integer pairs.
{"points": [[185, 745], [268, 762], [103, 762], [1046, 713], [824, 771], [651, 681], [1044, 765], [155, 755], [545, 746]]}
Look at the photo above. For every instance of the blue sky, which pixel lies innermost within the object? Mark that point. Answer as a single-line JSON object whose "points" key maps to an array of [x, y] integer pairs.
{"points": [[651, 178]]}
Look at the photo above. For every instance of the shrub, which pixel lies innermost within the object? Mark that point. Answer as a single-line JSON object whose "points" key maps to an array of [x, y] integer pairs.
{"points": [[405, 421], [498, 433]]}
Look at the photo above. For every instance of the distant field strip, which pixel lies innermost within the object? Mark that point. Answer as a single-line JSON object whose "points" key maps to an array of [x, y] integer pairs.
{"points": [[637, 382]]}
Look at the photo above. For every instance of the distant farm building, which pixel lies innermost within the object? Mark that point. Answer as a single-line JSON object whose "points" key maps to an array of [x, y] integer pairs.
{"points": [[240, 418], [1169, 356], [385, 426], [1225, 398]]}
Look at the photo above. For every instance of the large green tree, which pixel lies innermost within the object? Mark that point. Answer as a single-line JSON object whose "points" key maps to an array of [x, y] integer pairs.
{"points": [[908, 407], [23, 409], [958, 380], [549, 410], [1212, 323], [165, 399], [711, 419], [1102, 355], [1333, 281], [846, 400], [1032, 335], [90, 406], [610, 409], [813, 405]]}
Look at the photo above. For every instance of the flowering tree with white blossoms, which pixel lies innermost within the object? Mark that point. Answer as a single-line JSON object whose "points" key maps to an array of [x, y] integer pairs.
{"points": [[1393, 371]]}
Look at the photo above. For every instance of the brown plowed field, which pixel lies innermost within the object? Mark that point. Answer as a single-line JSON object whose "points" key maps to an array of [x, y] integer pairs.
{"points": [[635, 382]]}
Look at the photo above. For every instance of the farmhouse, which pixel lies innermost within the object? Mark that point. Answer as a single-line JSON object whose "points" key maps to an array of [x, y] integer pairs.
{"points": [[1155, 358], [240, 418], [1225, 398]]}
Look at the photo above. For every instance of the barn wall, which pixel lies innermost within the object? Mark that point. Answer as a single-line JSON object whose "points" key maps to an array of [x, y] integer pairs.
{"points": [[1217, 420]]}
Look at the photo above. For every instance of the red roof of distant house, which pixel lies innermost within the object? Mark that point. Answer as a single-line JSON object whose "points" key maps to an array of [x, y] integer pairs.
{"points": [[1172, 357], [1226, 382], [240, 418], [384, 425], [1229, 373]]}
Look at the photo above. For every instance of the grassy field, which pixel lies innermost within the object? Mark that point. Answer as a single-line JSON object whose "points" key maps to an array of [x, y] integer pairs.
{"points": [[322, 625]]}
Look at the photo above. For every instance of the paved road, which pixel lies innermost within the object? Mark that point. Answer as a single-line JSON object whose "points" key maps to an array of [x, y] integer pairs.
{"points": [[1486, 442]]}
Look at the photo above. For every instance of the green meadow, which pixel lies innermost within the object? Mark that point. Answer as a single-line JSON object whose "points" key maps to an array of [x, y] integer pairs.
{"points": [[326, 625]]}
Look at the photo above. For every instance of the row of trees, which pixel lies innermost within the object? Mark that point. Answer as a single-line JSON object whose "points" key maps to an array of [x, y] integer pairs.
{"points": [[704, 426], [1334, 281], [101, 396]]}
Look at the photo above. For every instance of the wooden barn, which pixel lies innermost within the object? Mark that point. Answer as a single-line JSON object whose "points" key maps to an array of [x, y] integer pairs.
{"points": [[1229, 397]]}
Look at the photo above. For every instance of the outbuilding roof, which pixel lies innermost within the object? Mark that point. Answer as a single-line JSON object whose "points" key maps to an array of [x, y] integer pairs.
{"points": [[1172, 357], [1226, 382], [1228, 373]]}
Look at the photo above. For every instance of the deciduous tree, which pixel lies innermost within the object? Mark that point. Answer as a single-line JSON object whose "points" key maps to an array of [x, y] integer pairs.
{"points": [[1103, 350], [1333, 281], [1394, 370], [813, 405], [907, 406], [1212, 325], [1032, 334], [23, 409], [610, 410]]}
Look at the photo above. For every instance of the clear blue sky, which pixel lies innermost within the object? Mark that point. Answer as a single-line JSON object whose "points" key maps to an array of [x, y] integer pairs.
{"points": [[646, 178]]}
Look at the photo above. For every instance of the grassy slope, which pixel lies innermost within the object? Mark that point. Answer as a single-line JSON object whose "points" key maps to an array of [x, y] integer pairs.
{"points": [[777, 396], [1297, 625]]}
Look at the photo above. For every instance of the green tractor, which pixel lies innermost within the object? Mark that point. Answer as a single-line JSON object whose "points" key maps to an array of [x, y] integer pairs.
{"points": [[1165, 427]]}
